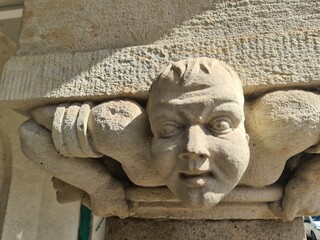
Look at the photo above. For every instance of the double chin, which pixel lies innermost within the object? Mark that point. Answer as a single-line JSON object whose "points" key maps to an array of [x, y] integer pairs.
{"points": [[196, 198]]}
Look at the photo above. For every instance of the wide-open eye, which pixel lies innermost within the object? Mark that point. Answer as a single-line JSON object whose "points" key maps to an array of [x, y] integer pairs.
{"points": [[221, 125], [169, 130]]}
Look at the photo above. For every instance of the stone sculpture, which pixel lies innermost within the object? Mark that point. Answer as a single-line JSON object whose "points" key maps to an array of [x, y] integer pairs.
{"points": [[200, 147]]}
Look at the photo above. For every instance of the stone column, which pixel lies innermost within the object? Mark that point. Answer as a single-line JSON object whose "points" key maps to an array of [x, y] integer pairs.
{"points": [[84, 80]]}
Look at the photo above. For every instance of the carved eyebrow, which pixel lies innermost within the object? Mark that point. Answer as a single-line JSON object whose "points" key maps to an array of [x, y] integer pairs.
{"points": [[165, 105], [228, 107], [162, 112], [200, 99]]}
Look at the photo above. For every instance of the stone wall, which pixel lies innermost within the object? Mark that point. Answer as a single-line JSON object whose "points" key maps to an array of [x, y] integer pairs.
{"points": [[28, 209], [189, 230]]}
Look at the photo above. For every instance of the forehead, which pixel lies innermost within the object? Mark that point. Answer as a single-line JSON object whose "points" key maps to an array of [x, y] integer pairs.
{"points": [[206, 89]]}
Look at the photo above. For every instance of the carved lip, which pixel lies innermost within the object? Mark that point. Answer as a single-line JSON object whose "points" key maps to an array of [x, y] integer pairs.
{"points": [[195, 179]]}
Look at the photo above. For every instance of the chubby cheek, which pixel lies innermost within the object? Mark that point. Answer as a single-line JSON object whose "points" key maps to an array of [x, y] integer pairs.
{"points": [[233, 154], [164, 157]]}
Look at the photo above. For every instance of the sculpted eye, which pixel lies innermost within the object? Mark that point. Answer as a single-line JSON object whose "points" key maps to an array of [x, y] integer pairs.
{"points": [[169, 130], [221, 125]]}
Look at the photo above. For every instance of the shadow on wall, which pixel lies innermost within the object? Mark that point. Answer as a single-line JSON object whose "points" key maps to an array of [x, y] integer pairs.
{"points": [[5, 174]]}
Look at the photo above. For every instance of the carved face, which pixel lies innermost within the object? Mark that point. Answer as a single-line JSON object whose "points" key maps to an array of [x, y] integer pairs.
{"points": [[200, 147]]}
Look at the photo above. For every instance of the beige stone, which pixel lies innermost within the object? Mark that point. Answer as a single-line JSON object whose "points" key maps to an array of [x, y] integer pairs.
{"points": [[117, 229], [154, 203], [111, 127], [240, 194], [241, 203], [116, 126], [276, 123], [27, 199], [265, 49], [216, 27], [86, 174], [280, 124], [127, 73], [7, 49], [157, 203], [5, 174], [199, 147], [301, 194], [272, 59], [120, 129]]}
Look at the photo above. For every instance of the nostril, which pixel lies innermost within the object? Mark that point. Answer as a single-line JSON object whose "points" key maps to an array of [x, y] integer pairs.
{"points": [[192, 155]]}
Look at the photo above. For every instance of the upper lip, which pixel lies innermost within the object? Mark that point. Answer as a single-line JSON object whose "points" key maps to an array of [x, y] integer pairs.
{"points": [[195, 173]]}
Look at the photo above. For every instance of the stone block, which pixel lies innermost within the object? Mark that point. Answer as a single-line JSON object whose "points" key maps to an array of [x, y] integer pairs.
{"points": [[117, 229], [264, 48]]}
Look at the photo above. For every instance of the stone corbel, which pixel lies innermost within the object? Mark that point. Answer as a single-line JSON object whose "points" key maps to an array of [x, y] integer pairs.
{"points": [[69, 140], [86, 178]]}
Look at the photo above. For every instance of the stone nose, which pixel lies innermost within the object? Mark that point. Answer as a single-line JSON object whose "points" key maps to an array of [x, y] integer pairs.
{"points": [[196, 146]]}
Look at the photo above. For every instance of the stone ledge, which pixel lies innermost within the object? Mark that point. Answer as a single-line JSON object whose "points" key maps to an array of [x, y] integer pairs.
{"points": [[276, 54], [241, 203], [128, 72]]}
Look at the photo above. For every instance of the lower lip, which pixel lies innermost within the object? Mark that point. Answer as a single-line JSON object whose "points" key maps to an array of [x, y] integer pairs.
{"points": [[196, 180]]}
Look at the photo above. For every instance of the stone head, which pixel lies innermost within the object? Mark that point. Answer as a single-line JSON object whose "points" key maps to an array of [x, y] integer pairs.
{"points": [[200, 147]]}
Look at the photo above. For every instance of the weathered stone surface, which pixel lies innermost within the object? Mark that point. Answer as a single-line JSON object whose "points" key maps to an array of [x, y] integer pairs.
{"points": [[118, 129], [241, 203], [28, 206], [240, 194], [7, 49], [269, 52], [5, 174], [87, 174], [264, 114], [200, 148], [301, 194], [117, 229], [266, 50], [154, 203], [280, 124], [83, 26]]}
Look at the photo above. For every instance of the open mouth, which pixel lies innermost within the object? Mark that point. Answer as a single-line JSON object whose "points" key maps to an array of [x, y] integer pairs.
{"points": [[195, 179]]}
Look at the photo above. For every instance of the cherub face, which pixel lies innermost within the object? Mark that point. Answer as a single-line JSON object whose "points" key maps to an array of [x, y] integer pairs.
{"points": [[200, 147]]}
